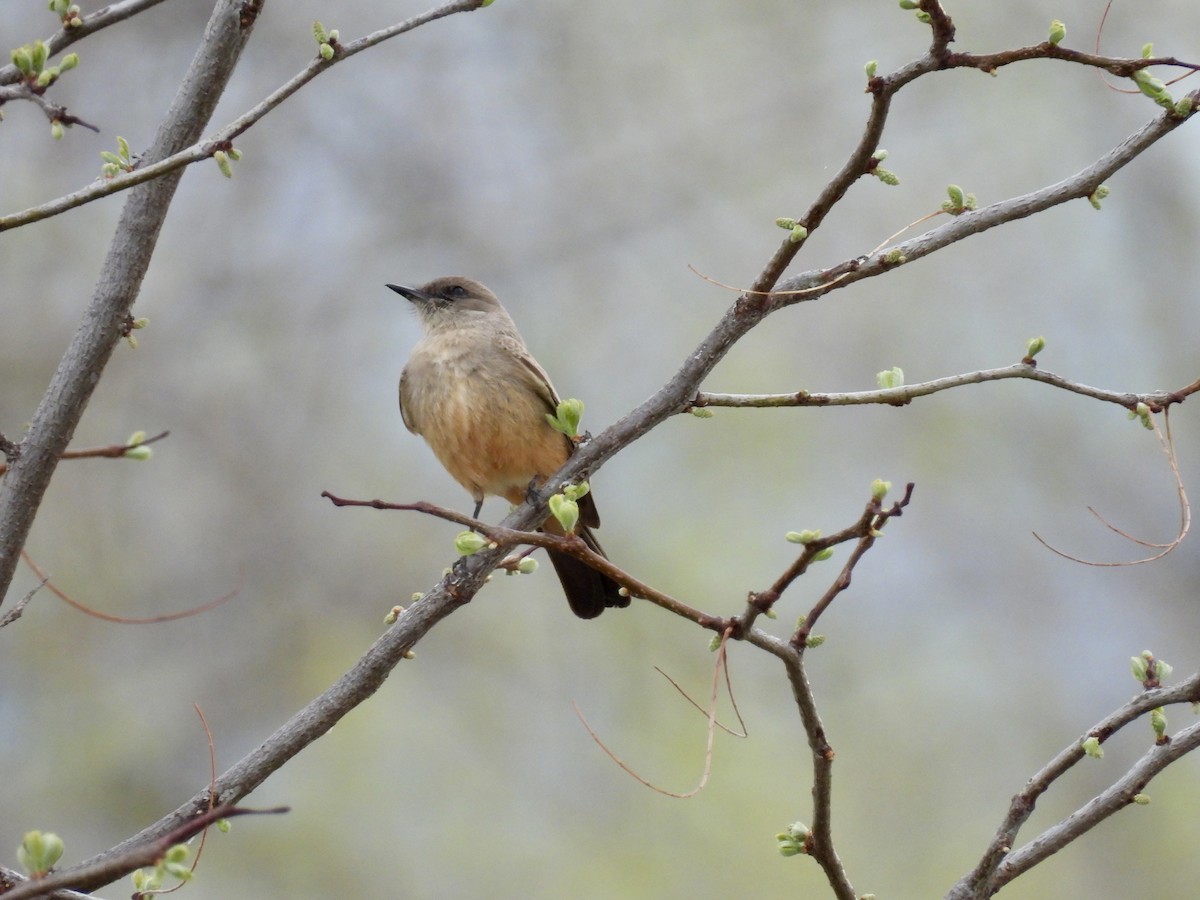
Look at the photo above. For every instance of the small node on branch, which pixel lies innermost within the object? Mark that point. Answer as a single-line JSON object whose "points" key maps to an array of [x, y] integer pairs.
{"points": [[1091, 746], [67, 11], [958, 202], [327, 41]]}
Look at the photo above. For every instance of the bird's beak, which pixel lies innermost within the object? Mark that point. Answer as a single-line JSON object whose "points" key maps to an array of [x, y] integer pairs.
{"points": [[410, 293]]}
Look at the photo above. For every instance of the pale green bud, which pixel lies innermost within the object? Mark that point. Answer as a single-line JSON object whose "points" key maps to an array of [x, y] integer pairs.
{"points": [[38, 56], [798, 831], [141, 453], [1058, 31], [714, 643], [326, 51], [110, 157], [131, 341], [957, 198], [880, 488], [566, 511], [1091, 746], [890, 378], [410, 654], [895, 258], [222, 159], [136, 438], [567, 417], [39, 851], [879, 155], [140, 323], [333, 35], [1034, 346], [70, 61], [393, 615], [924, 17], [320, 35], [1158, 721], [1147, 51], [701, 412], [1097, 195], [823, 555], [798, 234], [527, 566], [468, 542], [908, 4], [871, 68], [1163, 670], [1141, 799], [886, 176], [804, 537], [1183, 108], [46, 76], [785, 223], [486, 3], [814, 640], [576, 491], [123, 147], [22, 60], [223, 825], [1137, 666], [56, 130]]}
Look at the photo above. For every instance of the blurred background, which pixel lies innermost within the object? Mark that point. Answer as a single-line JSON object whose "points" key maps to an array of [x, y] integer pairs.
{"points": [[577, 157]]}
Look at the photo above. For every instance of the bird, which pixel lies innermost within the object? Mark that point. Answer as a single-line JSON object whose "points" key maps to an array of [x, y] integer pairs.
{"points": [[477, 396]]}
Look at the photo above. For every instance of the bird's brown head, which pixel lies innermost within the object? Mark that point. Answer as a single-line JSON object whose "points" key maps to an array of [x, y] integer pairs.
{"points": [[452, 301]]}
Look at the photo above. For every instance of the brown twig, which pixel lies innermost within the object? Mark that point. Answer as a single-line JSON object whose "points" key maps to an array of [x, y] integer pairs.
{"points": [[147, 853], [126, 620], [108, 451]]}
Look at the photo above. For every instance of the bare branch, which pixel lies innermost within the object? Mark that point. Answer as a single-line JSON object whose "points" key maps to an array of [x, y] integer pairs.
{"points": [[223, 139], [905, 394]]}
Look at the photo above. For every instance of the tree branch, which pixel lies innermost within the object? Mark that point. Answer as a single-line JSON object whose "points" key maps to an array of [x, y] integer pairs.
{"points": [[78, 373]]}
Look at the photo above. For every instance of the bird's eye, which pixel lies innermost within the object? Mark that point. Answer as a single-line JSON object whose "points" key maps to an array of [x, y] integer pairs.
{"points": [[456, 290]]}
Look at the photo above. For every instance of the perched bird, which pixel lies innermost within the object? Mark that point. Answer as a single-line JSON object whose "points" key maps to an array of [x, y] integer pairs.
{"points": [[480, 400]]}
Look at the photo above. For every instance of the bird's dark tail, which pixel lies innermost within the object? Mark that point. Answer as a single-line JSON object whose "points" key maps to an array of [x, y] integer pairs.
{"points": [[589, 592]]}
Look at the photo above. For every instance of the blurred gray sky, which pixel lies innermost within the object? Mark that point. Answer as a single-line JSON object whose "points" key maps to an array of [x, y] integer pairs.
{"points": [[577, 158]]}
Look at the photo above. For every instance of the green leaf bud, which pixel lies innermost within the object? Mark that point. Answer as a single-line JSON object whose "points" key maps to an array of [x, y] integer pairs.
{"points": [[326, 51], [56, 130], [566, 511], [576, 491], [45, 77], [909, 4], [823, 555], [39, 851], [924, 17], [1147, 51], [141, 453], [1058, 31], [1137, 666], [1158, 721], [1034, 346], [110, 157], [139, 323], [320, 35], [785, 223], [714, 644], [527, 566], [136, 438], [22, 60], [123, 148], [1183, 108], [886, 176], [70, 61], [1091, 746], [131, 341], [235, 154], [879, 155], [38, 55], [895, 258], [468, 542], [486, 3], [814, 640], [798, 234], [333, 35], [804, 537], [393, 615], [880, 488], [1141, 799], [890, 378], [1163, 670], [871, 68], [957, 198], [702, 412], [567, 417], [1097, 195], [222, 159]]}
